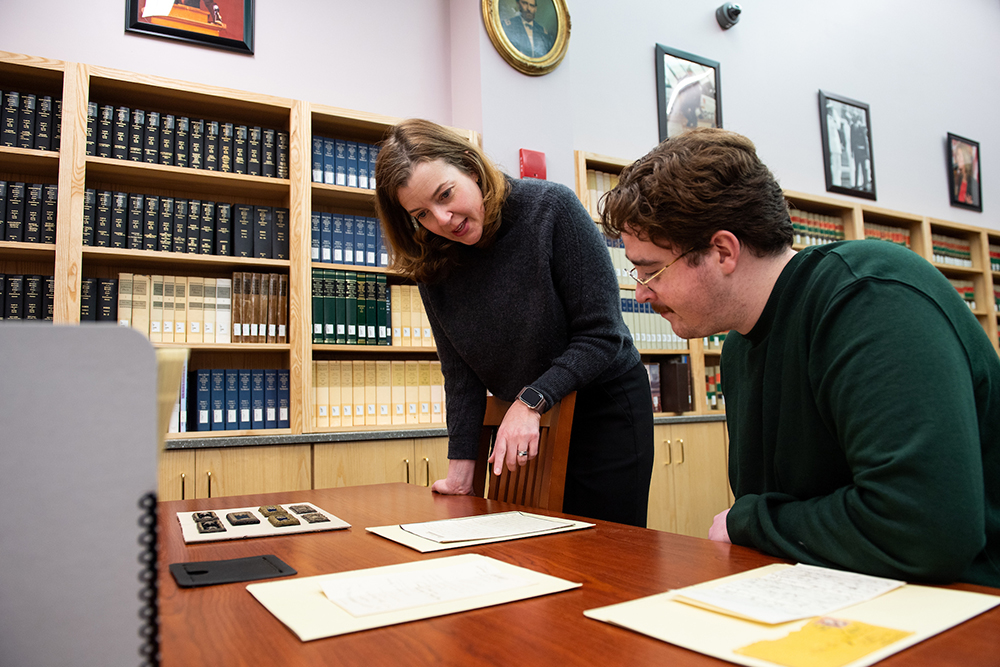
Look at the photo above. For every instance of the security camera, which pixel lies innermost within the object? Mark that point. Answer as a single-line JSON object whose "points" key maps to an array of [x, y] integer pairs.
{"points": [[728, 15]]}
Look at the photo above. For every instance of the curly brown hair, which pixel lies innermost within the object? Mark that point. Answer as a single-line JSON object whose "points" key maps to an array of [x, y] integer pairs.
{"points": [[693, 185], [414, 251]]}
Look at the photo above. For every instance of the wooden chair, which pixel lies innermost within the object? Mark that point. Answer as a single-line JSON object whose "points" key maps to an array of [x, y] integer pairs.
{"points": [[540, 483]]}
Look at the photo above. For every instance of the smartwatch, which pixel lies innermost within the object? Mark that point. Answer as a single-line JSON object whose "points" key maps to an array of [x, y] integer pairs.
{"points": [[533, 399]]}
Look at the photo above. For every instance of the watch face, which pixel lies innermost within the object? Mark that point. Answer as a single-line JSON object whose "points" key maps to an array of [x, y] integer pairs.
{"points": [[531, 397]]}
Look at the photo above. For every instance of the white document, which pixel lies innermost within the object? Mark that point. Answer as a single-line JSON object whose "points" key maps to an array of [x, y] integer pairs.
{"points": [[485, 527], [393, 591], [802, 591], [157, 8], [302, 604]]}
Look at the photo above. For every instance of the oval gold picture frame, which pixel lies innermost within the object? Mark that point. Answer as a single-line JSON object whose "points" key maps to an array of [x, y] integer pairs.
{"points": [[499, 16]]}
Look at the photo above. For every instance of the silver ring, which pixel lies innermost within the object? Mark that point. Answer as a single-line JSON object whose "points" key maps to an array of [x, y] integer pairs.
{"points": [[524, 453]]}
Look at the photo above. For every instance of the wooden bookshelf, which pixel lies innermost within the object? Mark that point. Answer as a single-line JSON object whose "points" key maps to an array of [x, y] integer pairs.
{"points": [[69, 260]]}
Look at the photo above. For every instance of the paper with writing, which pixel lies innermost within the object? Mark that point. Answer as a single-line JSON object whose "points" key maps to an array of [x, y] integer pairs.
{"points": [[802, 591], [392, 591]]}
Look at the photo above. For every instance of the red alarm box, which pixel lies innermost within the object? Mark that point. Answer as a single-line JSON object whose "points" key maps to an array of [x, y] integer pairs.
{"points": [[532, 164]]}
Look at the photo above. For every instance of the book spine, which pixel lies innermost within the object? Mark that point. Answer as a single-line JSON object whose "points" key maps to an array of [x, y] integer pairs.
{"points": [[119, 219], [253, 151], [206, 233], [150, 221], [26, 121], [120, 129], [16, 193], [151, 138], [136, 134], [262, 232], [104, 200], [257, 398], [240, 147], [243, 231], [168, 124], [217, 398], [226, 139], [196, 144], [284, 398], [270, 398], [8, 118], [279, 247], [210, 148], [326, 238], [270, 160], [50, 201], [165, 225], [182, 131], [33, 213], [232, 418], [135, 220], [179, 235], [245, 413], [202, 381], [223, 229], [43, 123]]}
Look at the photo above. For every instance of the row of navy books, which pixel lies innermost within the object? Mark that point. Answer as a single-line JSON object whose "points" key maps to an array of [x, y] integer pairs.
{"points": [[28, 212], [26, 297], [232, 399], [341, 238], [246, 308], [342, 162], [30, 120], [377, 392], [173, 224], [350, 308], [155, 137]]}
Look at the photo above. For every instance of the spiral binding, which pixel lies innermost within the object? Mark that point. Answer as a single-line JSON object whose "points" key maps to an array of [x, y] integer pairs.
{"points": [[149, 631]]}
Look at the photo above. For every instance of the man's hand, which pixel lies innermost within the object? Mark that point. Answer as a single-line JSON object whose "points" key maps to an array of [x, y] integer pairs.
{"points": [[719, 532], [518, 433]]}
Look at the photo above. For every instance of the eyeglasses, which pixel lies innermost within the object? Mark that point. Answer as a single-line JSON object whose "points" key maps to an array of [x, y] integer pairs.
{"points": [[645, 281]]}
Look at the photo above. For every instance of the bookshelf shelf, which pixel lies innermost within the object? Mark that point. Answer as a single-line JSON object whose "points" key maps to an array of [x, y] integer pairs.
{"points": [[33, 252], [194, 183], [29, 162], [179, 260], [393, 350]]}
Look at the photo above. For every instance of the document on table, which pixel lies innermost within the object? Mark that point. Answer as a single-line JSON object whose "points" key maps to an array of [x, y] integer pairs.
{"points": [[790, 594], [392, 591], [336, 604], [475, 530], [856, 636], [485, 527]]}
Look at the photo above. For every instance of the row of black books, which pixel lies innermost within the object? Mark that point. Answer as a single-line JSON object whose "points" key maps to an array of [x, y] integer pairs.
{"points": [[99, 300], [173, 224], [28, 212], [670, 384], [350, 308], [343, 162], [26, 297], [233, 399], [155, 137], [341, 238], [30, 120]]}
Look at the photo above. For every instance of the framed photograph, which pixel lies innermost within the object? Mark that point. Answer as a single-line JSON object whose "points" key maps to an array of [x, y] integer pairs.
{"points": [[531, 35], [224, 24], [848, 162], [688, 91], [964, 183]]}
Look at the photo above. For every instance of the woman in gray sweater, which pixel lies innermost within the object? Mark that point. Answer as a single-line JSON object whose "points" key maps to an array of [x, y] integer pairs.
{"points": [[521, 296]]}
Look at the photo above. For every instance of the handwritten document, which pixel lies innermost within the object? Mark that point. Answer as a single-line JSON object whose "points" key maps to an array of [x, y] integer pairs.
{"points": [[484, 527], [376, 594], [803, 591]]}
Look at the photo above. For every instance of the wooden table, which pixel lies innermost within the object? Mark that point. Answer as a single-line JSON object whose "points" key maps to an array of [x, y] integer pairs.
{"points": [[224, 625]]}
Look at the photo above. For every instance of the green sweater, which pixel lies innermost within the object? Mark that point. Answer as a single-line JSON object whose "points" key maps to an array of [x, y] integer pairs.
{"points": [[864, 420]]}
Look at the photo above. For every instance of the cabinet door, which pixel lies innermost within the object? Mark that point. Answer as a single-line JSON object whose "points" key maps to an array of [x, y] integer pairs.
{"points": [[369, 462], [661, 515], [246, 470], [431, 456], [176, 475], [701, 482]]}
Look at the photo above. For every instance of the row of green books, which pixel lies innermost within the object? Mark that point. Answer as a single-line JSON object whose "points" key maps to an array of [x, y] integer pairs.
{"points": [[350, 308]]}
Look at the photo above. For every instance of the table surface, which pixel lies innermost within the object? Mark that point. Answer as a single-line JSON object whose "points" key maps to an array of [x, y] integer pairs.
{"points": [[224, 625]]}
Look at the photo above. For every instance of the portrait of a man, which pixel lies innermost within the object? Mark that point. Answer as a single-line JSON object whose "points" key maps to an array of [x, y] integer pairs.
{"points": [[527, 34]]}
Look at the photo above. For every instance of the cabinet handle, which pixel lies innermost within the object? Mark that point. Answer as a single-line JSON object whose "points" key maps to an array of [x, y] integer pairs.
{"points": [[182, 486], [667, 451], [680, 459], [406, 462], [209, 484], [427, 463]]}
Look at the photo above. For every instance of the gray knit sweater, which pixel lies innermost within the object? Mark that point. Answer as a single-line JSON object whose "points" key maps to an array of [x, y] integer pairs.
{"points": [[539, 307]]}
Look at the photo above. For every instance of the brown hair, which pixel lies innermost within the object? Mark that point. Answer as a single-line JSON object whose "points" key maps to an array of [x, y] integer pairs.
{"points": [[416, 252], [693, 185]]}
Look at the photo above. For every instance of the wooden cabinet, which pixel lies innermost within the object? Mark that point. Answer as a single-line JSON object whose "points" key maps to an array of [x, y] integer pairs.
{"points": [[419, 461], [690, 483], [233, 471]]}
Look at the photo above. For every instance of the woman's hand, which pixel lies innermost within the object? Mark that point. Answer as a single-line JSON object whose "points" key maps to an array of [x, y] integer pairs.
{"points": [[459, 481], [518, 434]]}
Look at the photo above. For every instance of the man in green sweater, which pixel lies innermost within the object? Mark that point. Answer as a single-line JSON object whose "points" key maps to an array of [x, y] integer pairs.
{"points": [[862, 396]]}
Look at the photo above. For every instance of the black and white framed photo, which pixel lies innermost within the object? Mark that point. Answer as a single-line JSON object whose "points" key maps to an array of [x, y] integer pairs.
{"points": [[964, 183], [224, 24], [688, 91], [848, 161]]}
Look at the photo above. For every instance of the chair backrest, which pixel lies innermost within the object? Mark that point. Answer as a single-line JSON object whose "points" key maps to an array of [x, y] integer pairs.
{"points": [[540, 483]]}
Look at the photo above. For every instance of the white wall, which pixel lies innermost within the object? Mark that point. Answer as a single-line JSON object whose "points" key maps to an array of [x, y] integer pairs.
{"points": [[926, 68]]}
